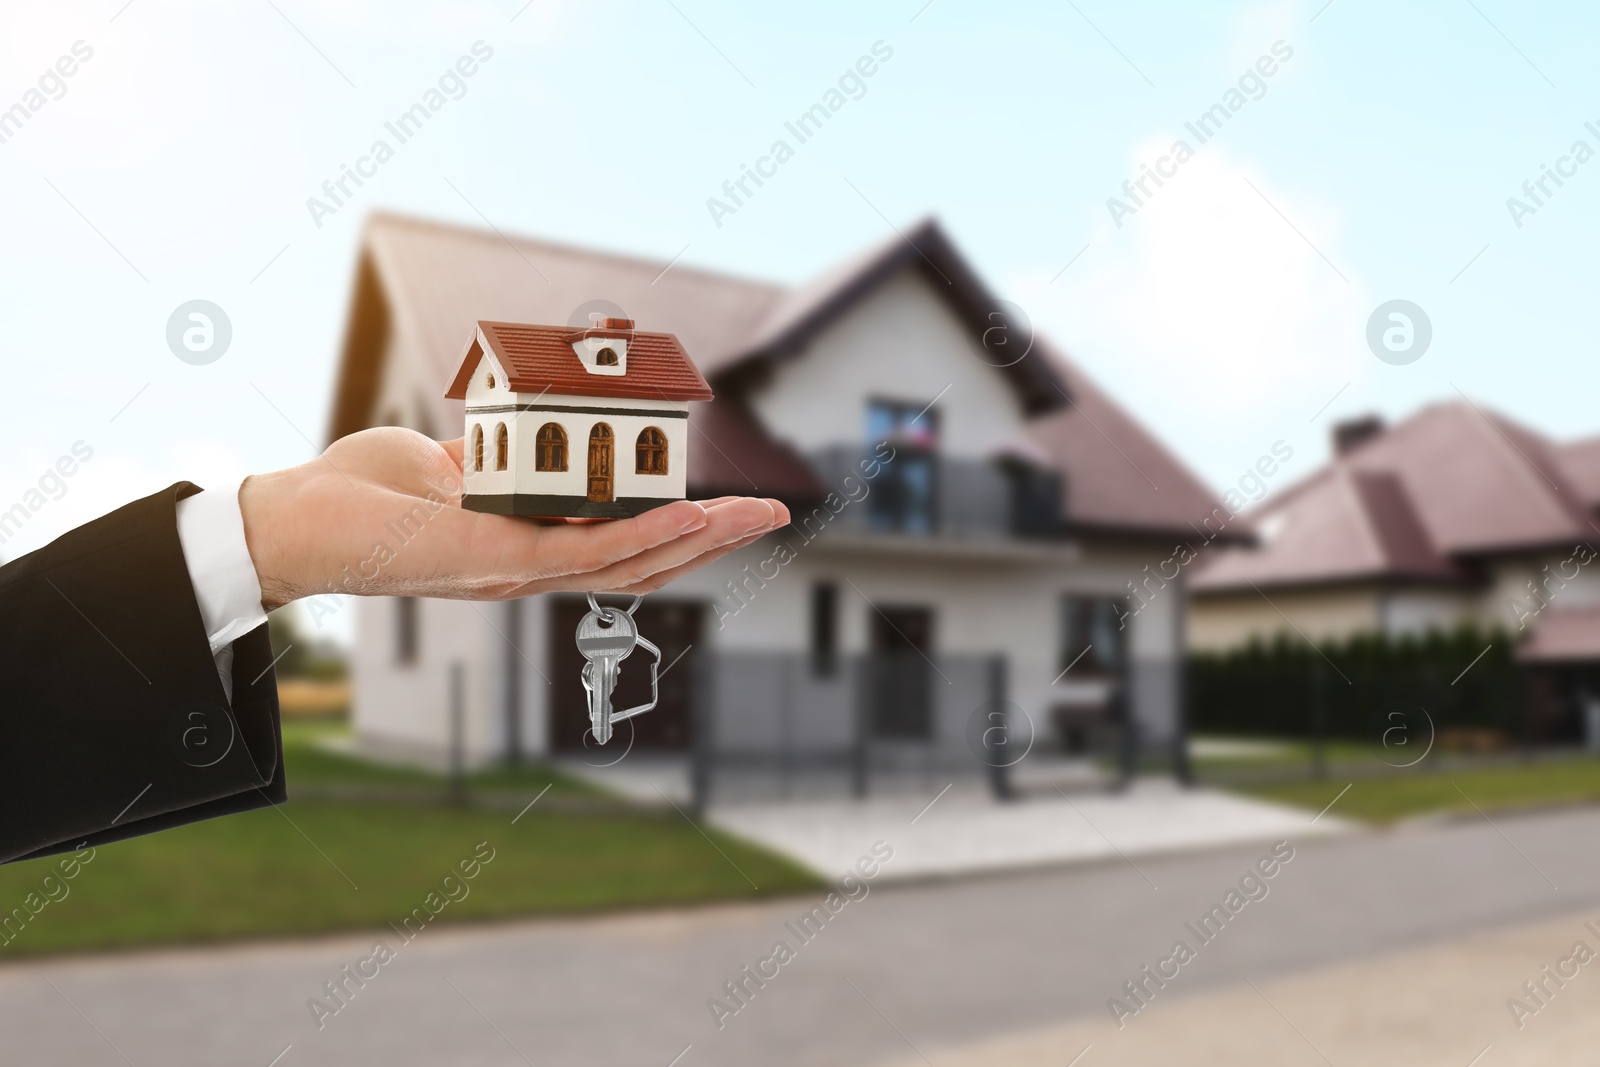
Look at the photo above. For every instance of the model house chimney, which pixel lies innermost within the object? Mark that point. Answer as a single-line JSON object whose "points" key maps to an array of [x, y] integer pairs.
{"points": [[1351, 434], [616, 324]]}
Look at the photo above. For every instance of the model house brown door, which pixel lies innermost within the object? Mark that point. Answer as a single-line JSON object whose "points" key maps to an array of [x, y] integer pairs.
{"points": [[600, 462]]}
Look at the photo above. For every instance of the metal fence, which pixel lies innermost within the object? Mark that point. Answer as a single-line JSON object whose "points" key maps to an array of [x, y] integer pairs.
{"points": [[778, 725], [1266, 715]]}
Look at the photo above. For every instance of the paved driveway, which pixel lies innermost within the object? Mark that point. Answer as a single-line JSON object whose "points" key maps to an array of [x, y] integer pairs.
{"points": [[940, 964], [963, 830]]}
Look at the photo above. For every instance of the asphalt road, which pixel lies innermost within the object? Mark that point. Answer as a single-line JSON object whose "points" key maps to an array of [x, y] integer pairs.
{"points": [[927, 965]]}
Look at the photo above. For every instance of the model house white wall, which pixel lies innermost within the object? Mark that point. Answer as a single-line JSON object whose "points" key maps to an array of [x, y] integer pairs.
{"points": [[489, 407]]}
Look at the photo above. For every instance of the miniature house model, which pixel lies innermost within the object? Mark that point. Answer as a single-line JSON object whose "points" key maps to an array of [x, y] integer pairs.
{"points": [[575, 421]]}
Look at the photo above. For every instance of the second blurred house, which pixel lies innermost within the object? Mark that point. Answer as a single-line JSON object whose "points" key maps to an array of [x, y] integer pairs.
{"points": [[1456, 515], [968, 517]]}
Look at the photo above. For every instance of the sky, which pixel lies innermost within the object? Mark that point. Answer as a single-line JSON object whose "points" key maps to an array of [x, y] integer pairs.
{"points": [[1227, 309]]}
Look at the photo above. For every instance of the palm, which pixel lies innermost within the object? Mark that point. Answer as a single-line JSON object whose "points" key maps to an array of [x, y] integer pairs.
{"points": [[379, 513]]}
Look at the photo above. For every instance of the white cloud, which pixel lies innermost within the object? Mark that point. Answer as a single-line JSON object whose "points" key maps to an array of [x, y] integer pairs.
{"points": [[1208, 290]]}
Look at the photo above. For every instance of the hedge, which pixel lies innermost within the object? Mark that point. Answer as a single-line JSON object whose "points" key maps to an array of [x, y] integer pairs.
{"points": [[1361, 687]]}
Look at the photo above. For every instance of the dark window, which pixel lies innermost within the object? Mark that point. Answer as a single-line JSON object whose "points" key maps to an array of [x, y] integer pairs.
{"points": [[650, 453], [914, 426], [477, 448], [405, 631], [904, 499], [552, 448], [502, 445], [1093, 635], [900, 672], [606, 357], [824, 629]]}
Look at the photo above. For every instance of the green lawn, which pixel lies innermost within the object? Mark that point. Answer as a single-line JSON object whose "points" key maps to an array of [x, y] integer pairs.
{"points": [[1390, 797], [1289, 755], [317, 866], [310, 764]]}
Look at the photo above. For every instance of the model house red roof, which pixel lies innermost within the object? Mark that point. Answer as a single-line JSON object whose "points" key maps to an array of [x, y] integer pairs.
{"points": [[541, 359]]}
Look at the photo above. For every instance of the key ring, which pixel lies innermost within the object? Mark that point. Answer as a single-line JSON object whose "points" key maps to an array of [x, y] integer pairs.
{"points": [[594, 605], [586, 676]]}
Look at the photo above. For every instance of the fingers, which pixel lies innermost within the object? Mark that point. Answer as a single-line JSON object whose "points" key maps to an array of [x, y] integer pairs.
{"points": [[739, 519], [481, 557], [537, 553], [397, 459], [456, 449], [661, 579], [666, 577], [780, 512]]}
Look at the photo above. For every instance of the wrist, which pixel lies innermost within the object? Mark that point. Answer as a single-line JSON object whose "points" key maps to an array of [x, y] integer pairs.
{"points": [[264, 502]]}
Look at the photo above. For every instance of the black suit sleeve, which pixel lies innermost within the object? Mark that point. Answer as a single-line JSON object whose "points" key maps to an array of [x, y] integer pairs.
{"points": [[113, 721]]}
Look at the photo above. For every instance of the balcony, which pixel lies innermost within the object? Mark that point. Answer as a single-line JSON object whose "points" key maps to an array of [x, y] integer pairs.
{"points": [[927, 496]]}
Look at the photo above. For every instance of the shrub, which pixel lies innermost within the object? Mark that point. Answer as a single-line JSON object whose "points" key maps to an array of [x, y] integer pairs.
{"points": [[1286, 688]]}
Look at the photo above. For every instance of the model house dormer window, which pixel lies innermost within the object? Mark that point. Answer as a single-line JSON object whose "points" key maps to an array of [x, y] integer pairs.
{"points": [[488, 379], [603, 347]]}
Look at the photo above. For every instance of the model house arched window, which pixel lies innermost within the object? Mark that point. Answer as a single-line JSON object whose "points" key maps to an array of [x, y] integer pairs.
{"points": [[477, 448], [606, 357], [502, 445], [552, 450], [650, 452]]}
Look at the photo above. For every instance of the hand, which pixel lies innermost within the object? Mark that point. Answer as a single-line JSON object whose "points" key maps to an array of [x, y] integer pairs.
{"points": [[379, 513]]}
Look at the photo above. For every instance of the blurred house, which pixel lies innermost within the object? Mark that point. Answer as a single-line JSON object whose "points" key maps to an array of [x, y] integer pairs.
{"points": [[1456, 515], [968, 516]]}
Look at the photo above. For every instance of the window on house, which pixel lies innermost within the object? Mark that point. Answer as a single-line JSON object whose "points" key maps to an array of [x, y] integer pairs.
{"points": [[606, 357], [477, 448], [552, 448], [1093, 637], [824, 629], [904, 498], [902, 424], [502, 446], [650, 453], [405, 630], [488, 379]]}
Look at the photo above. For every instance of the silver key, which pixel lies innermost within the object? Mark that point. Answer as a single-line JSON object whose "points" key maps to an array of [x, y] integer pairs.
{"points": [[605, 637]]}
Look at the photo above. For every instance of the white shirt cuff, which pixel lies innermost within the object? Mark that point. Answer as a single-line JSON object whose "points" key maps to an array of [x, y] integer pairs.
{"points": [[211, 532]]}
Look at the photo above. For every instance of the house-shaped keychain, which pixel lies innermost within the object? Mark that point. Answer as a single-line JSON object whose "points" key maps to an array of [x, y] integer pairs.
{"points": [[583, 422]]}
